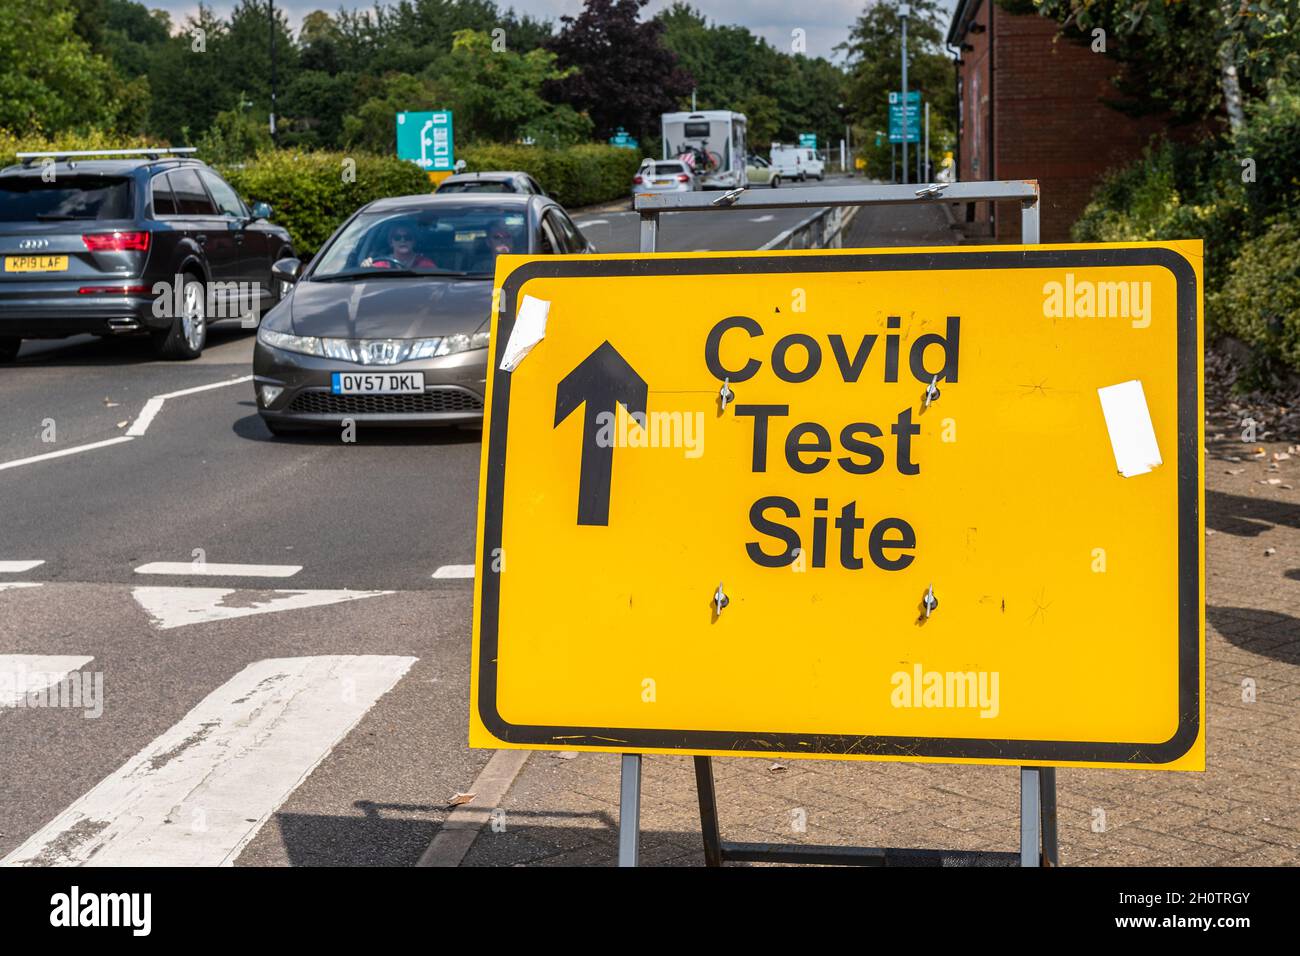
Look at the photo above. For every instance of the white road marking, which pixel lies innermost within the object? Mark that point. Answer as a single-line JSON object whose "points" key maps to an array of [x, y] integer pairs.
{"points": [[17, 567], [454, 571], [200, 792], [15, 585], [137, 429], [177, 607], [211, 570], [75, 450], [23, 674], [767, 217], [593, 222], [155, 404]]}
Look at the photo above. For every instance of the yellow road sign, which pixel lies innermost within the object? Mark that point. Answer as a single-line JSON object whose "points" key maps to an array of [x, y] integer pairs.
{"points": [[912, 504]]}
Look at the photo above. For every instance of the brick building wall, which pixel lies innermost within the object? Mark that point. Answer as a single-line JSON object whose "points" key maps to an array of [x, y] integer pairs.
{"points": [[1032, 108]]}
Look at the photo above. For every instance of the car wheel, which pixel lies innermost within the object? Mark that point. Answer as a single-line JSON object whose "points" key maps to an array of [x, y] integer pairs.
{"points": [[188, 333], [776, 182], [9, 346]]}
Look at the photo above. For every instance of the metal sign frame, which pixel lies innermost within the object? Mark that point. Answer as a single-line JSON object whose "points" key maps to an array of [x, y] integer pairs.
{"points": [[1038, 831]]}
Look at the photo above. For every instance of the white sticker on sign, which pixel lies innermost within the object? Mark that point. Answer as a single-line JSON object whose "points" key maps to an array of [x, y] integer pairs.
{"points": [[1132, 436], [530, 328]]}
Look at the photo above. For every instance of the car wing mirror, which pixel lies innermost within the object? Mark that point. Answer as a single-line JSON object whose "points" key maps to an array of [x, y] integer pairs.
{"points": [[287, 270], [261, 210]]}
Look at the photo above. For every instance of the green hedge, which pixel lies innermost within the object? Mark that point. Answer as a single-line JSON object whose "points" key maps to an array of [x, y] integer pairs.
{"points": [[11, 143], [574, 176], [1260, 300], [312, 193]]}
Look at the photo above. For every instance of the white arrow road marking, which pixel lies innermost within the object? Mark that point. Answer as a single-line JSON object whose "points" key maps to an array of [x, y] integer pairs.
{"points": [[177, 607], [24, 674], [17, 567], [199, 793], [454, 571], [141, 425], [155, 404], [208, 569]]}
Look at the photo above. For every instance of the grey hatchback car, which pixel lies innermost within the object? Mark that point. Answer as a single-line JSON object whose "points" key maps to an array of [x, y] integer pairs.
{"points": [[389, 323]]}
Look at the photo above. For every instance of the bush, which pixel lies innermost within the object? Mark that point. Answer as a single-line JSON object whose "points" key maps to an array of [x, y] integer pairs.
{"points": [[1173, 192], [312, 193], [575, 176], [11, 143], [1260, 300]]}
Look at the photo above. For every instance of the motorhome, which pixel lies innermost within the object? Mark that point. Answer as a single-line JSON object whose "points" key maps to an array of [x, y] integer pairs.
{"points": [[712, 142]]}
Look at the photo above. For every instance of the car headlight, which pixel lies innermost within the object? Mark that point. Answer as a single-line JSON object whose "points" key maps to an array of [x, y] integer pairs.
{"points": [[459, 342], [305, 344]]}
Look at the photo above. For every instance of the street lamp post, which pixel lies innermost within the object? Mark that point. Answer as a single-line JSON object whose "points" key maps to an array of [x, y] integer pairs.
{"points": [[904, 11], [271, 5]]}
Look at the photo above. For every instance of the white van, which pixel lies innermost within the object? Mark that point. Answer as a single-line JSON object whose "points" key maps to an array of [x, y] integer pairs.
{"points": [[797, 162]]}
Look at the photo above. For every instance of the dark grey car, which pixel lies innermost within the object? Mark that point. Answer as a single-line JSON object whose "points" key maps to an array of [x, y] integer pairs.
{"points": [[389, 323], [153, 245]]}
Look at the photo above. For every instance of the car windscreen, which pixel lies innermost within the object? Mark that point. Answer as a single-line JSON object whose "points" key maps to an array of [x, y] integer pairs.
{"points": [[457, 240], [477, 187], [32, 199]]}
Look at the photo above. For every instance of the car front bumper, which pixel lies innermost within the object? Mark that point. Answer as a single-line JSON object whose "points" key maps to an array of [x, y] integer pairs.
{"points": [[454, 387]]}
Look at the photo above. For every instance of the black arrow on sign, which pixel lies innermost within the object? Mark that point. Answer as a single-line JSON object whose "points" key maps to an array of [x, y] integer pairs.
{"points": [[601, 381]]}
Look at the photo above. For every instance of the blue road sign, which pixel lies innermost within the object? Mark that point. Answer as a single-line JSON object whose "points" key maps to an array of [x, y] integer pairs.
{"points": [[808, 139], [913, 116], [426, 140]]}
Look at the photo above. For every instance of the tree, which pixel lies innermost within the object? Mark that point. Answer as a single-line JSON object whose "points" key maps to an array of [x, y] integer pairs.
{"points": [[51, 79], [1186, 59], [133, 35], [496, 93], [781, 95], [625, 75], [875, 69]]}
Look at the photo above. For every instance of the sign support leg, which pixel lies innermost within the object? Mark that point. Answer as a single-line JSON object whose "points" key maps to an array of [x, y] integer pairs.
{"points": [[1047, 791], [629, 811], [1030, 816], [708, 811]]}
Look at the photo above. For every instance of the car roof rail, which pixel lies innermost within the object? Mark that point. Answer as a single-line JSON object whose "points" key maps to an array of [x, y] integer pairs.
{"points": [[152, 152]]}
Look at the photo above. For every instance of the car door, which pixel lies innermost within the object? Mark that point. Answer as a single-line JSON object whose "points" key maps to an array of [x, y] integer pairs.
{"points": [[197, 215], [549, 241], [253, 243], [573, 239]]}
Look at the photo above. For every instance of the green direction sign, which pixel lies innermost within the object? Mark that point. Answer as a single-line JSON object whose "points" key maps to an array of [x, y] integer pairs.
{"points": [[913, 116], [426, 140], [808, 139]]}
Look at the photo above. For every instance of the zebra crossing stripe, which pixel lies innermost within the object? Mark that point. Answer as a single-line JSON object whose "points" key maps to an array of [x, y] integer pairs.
{"points": [[24, 674], [200, 792]]}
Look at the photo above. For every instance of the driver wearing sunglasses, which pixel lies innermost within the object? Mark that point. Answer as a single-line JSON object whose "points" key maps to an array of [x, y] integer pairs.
{"points": [[401, 242]]}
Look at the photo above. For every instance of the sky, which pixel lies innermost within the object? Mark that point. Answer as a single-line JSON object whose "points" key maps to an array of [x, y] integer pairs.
{"points": [[825, 22]]}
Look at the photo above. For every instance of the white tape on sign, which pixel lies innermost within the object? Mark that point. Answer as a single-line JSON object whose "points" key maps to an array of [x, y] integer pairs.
{"points": [[530, 328], [1132, 436]]}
